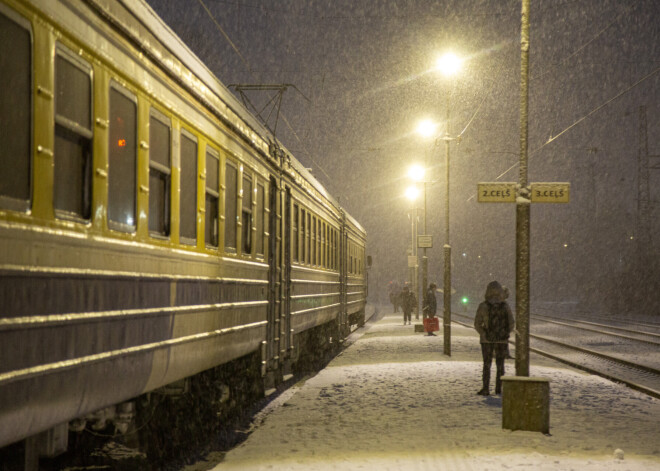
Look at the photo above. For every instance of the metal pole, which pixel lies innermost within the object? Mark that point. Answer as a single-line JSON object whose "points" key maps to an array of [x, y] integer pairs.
{"points": [[446, 318], [412, 244], [425, 260], [523, 209], [416, 282]]}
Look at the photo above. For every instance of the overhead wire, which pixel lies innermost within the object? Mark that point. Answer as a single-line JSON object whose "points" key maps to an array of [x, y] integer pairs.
{"points": [[563, 61], [578, 50], [226, 36], [474, 115], [247, 65], [553, 138]]}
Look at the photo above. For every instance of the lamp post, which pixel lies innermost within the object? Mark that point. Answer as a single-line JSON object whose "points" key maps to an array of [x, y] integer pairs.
{"points": [[448, 64], [416, 174], [412, 192]]}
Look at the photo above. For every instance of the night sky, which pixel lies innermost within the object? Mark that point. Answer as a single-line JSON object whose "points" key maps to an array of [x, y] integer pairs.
{"points": [[364, 71]]}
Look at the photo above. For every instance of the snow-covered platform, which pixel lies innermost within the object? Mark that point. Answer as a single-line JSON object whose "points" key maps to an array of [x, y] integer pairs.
{"points": [[392, 401]]}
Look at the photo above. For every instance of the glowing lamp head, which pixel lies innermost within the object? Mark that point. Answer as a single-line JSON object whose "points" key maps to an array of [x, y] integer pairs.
{"points": [[426, 128], [416, 173], [448, 64], [412, 192]]}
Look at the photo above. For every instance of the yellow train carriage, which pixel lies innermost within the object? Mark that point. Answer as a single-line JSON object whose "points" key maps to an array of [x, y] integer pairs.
{"points": [[121, 271], [150, 229]]}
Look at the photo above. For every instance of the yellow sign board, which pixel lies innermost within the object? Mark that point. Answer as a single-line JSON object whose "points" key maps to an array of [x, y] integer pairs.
{"points": [[496, 192], [425, 241], [558, 192]]}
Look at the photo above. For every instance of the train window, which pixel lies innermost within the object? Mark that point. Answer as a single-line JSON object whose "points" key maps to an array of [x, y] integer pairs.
{"points": [[332, 248], [294, 235], [160, 173], [15, 111], [330, 236], [231, 190], [303, 237], [324, 245], [308, 238], [261, 205], [326, 232], [188, 195], [212, 197], [313, 240], [246, 216], [73, 136], [122, 157], [319, 243]]}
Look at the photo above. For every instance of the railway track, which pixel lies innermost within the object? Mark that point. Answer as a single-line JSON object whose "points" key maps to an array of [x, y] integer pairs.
{"points": [[612, 321], [641, 377]]}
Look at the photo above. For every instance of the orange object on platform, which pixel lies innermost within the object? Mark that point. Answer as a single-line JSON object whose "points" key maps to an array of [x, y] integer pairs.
{"points": [[431, 324]]}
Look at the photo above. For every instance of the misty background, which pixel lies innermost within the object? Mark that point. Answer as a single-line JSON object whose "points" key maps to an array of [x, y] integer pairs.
{"points": [[364, 78]]}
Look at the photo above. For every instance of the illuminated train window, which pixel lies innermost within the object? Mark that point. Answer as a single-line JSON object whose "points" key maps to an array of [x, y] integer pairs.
{"points": [[308, 239], [246, 216], [313, 240], [303, 237], [15, 111], [294, 232], [73, 136], [212, 197], [231, 191], [319, 246], [188, 194], [160, 173], [261, 208], [122, 159]]}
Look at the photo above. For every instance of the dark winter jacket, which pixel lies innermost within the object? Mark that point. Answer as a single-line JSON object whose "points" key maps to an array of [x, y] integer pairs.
{"points": [[408, 301], [494, 299], [430, 303]]}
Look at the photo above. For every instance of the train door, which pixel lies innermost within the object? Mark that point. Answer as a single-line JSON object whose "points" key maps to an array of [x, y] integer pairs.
{"points": [[343, 278], [274, 277], [286, 279]]}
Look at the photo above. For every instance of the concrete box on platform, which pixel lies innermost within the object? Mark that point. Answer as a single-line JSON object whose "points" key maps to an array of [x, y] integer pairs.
{"points": [[419, 327], [526, 403]]}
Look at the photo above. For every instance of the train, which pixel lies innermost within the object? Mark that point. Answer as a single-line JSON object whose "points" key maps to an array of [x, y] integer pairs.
{"points": [[151, 228]]}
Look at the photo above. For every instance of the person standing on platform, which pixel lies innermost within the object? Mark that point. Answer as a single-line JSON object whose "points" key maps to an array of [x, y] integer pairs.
{"points": [[494, 322], [408, 303], [430, 306]]}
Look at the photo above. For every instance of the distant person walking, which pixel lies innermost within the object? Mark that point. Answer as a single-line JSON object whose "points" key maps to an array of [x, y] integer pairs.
{"points": [[408, 304], [494, 322], [430, 305], [394, 294]]}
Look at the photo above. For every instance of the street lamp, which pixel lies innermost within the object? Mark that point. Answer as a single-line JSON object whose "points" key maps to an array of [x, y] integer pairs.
{"points": [[412, 192], [448, 64], [416, 174]]}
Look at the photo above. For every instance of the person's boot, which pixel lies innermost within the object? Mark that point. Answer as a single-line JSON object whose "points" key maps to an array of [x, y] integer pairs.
{"points": [[485, 381], [498, 386]]}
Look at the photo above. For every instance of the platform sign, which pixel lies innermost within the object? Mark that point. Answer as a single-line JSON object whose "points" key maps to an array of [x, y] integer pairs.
{"points": [[557, 192], [412, 261], [496, 192], [425, 241]]}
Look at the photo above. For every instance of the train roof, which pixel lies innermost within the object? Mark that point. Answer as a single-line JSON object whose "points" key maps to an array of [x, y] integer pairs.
{"points": [[256, 132]]}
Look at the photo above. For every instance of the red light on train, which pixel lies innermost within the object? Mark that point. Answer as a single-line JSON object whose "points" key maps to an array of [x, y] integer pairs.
{"points": [[121, 142]]}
